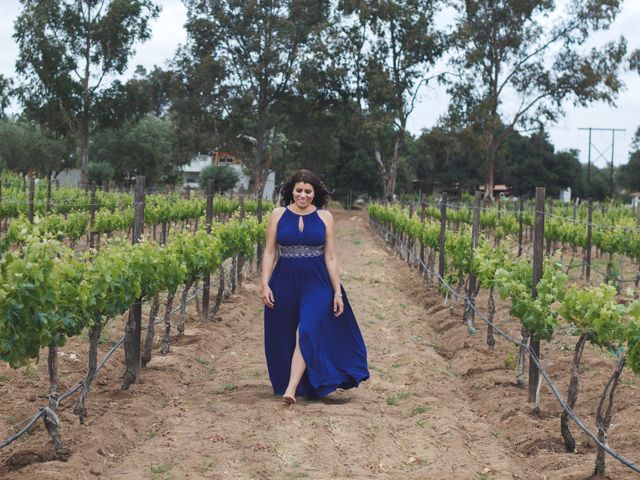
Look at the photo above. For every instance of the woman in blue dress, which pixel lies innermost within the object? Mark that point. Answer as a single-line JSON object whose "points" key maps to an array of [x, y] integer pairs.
{"points": [[312, 342]]}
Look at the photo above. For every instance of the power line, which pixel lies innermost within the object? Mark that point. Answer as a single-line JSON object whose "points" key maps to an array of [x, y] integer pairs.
{"points": [[601, 155]]}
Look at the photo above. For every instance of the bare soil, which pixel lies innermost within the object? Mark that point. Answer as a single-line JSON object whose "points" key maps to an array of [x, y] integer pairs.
{"points": [[438, 404]]}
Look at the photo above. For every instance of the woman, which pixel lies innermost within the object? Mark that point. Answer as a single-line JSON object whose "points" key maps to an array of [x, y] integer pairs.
{"points": [[312, 342]]}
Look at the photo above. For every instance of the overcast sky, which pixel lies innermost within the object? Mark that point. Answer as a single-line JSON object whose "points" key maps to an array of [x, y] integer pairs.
{"points": [[168, 32]]}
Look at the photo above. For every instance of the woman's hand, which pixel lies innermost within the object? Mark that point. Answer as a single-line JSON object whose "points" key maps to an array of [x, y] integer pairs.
{"points": [[338, 305], [267, 296]]}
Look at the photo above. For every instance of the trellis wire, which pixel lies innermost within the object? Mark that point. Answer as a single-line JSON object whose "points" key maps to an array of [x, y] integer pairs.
{"points": [[626, 462]]}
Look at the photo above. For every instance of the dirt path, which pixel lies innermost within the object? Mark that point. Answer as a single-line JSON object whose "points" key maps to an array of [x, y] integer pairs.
{"points": [[411, 420], [217, 417]]}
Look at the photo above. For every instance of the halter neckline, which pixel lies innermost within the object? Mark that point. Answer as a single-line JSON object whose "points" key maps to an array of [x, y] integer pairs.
{"points": [[300, 214]]}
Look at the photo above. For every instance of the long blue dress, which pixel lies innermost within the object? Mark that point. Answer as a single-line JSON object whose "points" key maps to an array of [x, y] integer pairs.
{"points": [[332, 347]]}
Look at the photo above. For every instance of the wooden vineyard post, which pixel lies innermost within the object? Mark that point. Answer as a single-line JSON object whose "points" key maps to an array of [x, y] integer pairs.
{"points": [[637, 273], [469, 310], [422, 260], [409, 242], [32, 192], [92, 216], [520, 215], [575, 217], [587, 256], [538, 257], [48, 193], [133, 328], [240, 257], [206, 281], [443, 233], [550, 213]]}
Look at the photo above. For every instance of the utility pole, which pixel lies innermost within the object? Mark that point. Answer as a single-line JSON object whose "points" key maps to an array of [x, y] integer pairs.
{"points": [[601, 155]]}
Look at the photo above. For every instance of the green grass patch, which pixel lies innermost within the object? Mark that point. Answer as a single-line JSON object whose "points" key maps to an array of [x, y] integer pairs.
{"points": [[394, 399], [161, 468], [202, 361], [207, 464], [420, 409], [31, 372], [510, 360], [373, 367], [421, 423], [293, 475], [3, 378]]}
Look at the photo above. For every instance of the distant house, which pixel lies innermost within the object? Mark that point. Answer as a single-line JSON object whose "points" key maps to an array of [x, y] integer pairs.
{"points": [[565, 195], [499, 190], [69, 177], [191, 172], [635, 199]]}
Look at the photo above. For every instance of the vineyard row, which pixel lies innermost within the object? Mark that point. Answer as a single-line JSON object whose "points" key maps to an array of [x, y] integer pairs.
{"points": [[539, 297], [49, 293]]}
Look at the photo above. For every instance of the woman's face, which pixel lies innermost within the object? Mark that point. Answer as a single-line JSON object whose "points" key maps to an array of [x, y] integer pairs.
{"points": [[303, 194]]}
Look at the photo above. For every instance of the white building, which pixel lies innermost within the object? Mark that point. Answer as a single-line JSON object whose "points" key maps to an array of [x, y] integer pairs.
{"points": [[191, 172]]}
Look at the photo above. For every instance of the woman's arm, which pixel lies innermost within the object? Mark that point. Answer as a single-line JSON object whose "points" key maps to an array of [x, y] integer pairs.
{"points": [[269, 255], [331, 261]]}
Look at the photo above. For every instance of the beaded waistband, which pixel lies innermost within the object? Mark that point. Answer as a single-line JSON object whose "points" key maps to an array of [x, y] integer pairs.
{"points": [[298, 251]]}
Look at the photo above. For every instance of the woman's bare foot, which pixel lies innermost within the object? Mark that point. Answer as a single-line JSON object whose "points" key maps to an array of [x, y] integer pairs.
{"points": [[288, 399]]}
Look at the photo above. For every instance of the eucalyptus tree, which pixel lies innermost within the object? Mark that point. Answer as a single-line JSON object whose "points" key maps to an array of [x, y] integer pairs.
{"points": [[27, 148], [138, 147], [261, 45], [634, 60], [6, 90], [520, 62], [198, 97], [68, 49], [388, 50]]}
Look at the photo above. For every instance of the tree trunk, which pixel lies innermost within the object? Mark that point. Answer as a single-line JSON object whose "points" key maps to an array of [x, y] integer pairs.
{"points": [[145, 358], [220, 294], [491, 341], [167, 323], [51, 420], [131, 348], [520, 380], [454, 300], [94, 336], [572, 395], [390, 180], [183, 306], [84, 150], [603, 420], [234, 273], [490, 174]]}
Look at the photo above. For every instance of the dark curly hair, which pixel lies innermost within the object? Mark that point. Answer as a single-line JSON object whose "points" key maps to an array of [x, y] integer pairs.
{"points": [[320, 193]]}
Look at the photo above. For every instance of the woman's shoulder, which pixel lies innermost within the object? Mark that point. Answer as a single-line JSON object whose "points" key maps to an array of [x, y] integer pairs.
{"points": [[276, 213], [325, 215]]}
